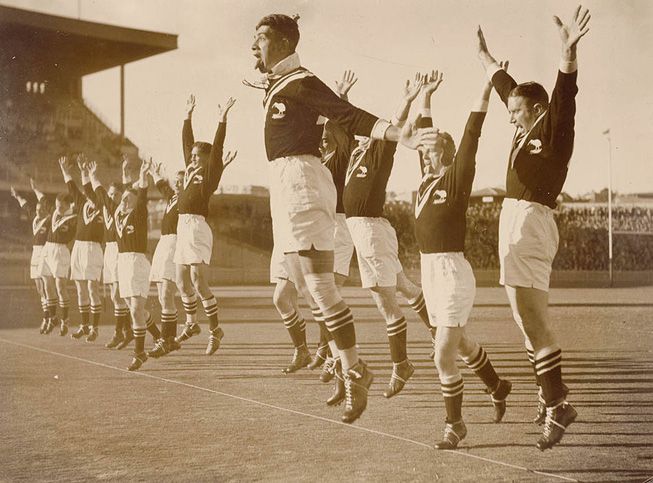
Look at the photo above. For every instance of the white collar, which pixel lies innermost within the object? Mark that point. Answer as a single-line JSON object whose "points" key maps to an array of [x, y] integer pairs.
{"points": [[285, 66]]}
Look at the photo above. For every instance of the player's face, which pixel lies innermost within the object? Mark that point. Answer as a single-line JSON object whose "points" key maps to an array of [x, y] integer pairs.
{"points": [[179, 182], [40, 210], [61, 206], [522, 114], [327, 143], [268, 48], [115, 194], [128, 202], [198, 157]]}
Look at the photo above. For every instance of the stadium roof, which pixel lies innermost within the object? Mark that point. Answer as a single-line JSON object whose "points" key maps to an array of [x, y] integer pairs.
{"points": [[78, 47]]}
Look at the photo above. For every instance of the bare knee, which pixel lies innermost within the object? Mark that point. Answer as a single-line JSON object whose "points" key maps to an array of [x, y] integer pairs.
{"points": [[282, 297]]}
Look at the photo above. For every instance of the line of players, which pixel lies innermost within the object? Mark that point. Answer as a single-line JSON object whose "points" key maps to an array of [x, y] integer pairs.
{"points": [[324, 206]]}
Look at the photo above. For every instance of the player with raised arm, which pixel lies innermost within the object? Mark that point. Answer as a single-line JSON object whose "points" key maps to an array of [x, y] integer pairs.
{"points": [[204, 167], [377, 249], [86, 257], [133, 265], [164, 271], [528, 236], [295, 101], [40, 215], [447, 278]]}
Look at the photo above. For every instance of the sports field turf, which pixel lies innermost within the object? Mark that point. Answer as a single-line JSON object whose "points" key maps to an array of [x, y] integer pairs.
{"points": [[69, 410]]}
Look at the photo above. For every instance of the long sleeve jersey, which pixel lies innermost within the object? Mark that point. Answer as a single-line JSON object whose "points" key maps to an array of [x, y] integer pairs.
{"points": [[40, 226], [338, 160], [171, 215], [90, 223]]}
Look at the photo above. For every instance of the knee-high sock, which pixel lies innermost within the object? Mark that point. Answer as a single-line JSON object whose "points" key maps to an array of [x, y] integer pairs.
{"points": [[190, 308], [85, 313], [64, 305], [296, 327], [452, 391], [122, 317], [418, 304], [139, 339], [168, 323], [52, 308], [211, 310], [96, 313], [548, 365], [397, 339], [325, 335], [480, 363], [341, 327], [152, 328], [531, 359], [44, 308]]}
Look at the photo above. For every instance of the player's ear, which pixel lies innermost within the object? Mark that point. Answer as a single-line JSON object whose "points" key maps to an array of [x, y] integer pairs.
{"points": [[538, 108]]}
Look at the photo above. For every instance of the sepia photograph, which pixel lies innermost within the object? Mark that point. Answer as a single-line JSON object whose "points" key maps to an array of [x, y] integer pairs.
{"points": [[304, 240]]}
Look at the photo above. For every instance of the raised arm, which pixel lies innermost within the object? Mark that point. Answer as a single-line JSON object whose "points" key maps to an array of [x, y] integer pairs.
{"points": [[142, 185], [161, 182], [344, 85], [101, 194], [410, 92], [215, 165], [24, 204], [187, 137], [501, 80], [39, 194], [66, 170]]}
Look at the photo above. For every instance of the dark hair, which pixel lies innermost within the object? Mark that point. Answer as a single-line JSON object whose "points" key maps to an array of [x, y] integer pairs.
{"points": [[283, 25], [45, 204], [117, 186], [131, 191], [64, 198], [449, 148], [533, 92], [181, 173], [203, 147]]}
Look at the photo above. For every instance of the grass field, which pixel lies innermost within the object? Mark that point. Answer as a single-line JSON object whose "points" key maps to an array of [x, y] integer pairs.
{"points": [[69, 410]]}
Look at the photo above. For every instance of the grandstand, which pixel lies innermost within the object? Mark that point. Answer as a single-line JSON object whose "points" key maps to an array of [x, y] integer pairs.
{"points": [[42, 109]]}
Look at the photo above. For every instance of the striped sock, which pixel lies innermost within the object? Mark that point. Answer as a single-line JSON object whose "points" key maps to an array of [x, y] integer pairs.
{"points": [[480, 363], [296, 327], [531, 359], [341, 327], [85, 312], [325, 335], [152, 328], [190, 308], [397, 339], [548, 365], [64, 305], [418, 304], [168, 324], [452, 391], [139, 340], [44, 308], [52, 307], [120, 313], [211, 310], [96, 312]]}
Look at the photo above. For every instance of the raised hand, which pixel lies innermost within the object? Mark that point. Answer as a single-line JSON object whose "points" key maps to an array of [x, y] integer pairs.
{"points": [[190, 106], [411, 89], [63, 164], [481, 49], [81, 162], [146, 165], [571, 32], [223, 111], [346, 83], [157, 170], [504, 64], [413, 138], [228, 158], [431, 82], [13, 191], [32, 184], [91, 166]]}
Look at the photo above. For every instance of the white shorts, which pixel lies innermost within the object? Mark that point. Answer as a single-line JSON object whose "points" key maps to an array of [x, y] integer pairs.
{"points": [[194, 240], [528, 242], [344, 246], [37, 268], [449, 288], [55, 260], [110, 266], [278, 267], [133, 275], [86, 261], [304, 195], [377, 250], [163, 263]]}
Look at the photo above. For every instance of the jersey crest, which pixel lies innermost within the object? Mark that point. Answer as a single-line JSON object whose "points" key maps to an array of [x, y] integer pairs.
{"points": [[193, 175], [58, 222], [108, 218], [89, 213], [280, 109], [38, 226]]}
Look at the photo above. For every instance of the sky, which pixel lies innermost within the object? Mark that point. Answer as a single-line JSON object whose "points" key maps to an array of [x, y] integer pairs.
{"points": [[385, 43]]}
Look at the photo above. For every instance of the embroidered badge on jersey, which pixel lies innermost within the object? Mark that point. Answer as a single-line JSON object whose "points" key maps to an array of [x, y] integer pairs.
{"points": [[108, 218], [536, 145], [121, 222], [357, 157], [90, 213], [280, 109], [58, 222], [38, 226], [193, 175]]}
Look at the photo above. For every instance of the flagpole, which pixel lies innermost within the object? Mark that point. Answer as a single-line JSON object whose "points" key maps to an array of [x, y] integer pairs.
{"points": [[607, 133]]}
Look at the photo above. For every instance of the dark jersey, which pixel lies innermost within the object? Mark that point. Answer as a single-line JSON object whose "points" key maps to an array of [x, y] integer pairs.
{"points": [[131, 228], [62, 228], [539, 163], [90, 223], [40, 226], [200, 182], [294, 104], [367, 177], [441, 205], [109, 208], [171, 215], [338, 160]]}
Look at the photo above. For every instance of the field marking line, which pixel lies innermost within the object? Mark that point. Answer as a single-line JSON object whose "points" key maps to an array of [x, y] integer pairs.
{"points": [[282, 409]]}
